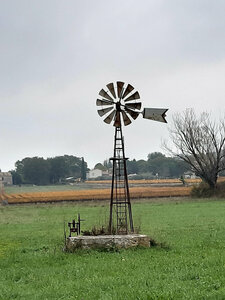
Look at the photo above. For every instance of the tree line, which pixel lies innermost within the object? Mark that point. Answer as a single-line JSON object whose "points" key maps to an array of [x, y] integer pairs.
{"points": [[40, 171], [59, 169], [159, 166], [156, 165]]}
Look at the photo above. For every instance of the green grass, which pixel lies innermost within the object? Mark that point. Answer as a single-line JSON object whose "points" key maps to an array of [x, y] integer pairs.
{"points": [[29, 188], [189, 263]]}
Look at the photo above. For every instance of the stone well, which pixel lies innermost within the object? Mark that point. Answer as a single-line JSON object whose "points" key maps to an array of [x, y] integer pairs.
{"points": [[107, 241]]}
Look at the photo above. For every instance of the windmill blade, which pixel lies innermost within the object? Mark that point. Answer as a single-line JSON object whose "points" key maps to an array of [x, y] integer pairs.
{"points": [[120, 85], [117, 122], [126, 119], [129, 89], [132, 113], [136, 105], [155, 114], [103, 102], [110, 86], [105, 95], [108, 119], [133, 97], [102, 112]]}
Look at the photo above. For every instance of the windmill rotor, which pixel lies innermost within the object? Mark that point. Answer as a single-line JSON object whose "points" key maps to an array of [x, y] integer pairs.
{"points": [[123, 103], [120, 99]]}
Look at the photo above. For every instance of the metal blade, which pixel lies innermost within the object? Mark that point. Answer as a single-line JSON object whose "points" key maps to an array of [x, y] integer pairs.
{"points": [[120, 85], [133, 97], [126, 119], [132, 113], [103, 102], [117, 122], [105, 95], [110, 86], [155, 114], [136, 105], [102, 112], [108, 119], [129, 88]]}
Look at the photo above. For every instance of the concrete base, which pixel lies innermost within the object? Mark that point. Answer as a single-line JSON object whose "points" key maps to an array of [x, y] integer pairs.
{"points": [[107, 242]]}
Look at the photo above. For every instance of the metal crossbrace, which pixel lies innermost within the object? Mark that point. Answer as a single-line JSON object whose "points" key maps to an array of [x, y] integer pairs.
{"points": [[120, 206]]}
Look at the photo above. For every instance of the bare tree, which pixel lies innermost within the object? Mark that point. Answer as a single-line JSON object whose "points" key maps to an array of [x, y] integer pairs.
{"points": [[200, 142]]}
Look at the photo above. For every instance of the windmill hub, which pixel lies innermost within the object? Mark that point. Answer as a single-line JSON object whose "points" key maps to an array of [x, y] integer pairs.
{"points": [[118, 106]]}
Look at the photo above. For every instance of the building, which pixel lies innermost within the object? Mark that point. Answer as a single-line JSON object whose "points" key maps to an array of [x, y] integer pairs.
{"points": [[6, 178], [190, 175], [95, 173]]}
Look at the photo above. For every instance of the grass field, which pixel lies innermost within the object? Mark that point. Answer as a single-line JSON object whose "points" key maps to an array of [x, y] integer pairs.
{"points": [[188, 263]]}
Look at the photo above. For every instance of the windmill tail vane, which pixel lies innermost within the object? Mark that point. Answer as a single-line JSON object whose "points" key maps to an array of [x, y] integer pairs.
{"points": [[120, 102]]}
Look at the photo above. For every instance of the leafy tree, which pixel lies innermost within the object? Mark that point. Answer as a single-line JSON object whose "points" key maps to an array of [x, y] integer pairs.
{"points": [[67, 166], [142, 166], [34, 170], [166, 167], [83, 170], [107, 163], [37, 170], [16, 177], [100, 166], [19, 169], [58, 169], [155, 155], [132, 167], [73, 165]]}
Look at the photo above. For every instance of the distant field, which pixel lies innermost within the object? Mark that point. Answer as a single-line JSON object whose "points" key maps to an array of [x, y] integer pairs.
{"points": [[97, 190], [87, 185], [45, 194], [152, 181], [94, 194], [188, 263]]}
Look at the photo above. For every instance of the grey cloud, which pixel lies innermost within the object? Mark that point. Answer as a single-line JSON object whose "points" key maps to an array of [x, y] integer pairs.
{"points": [[56, 55]]}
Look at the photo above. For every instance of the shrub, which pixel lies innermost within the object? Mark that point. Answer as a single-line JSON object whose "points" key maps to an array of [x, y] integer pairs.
{"points": [[204, 190]]}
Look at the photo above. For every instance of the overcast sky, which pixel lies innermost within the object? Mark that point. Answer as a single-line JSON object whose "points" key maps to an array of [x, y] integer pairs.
{"points": [[55, 56]]}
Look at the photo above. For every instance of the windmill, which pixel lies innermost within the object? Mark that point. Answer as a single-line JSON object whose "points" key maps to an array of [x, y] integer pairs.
{"points": [[120, 104]]}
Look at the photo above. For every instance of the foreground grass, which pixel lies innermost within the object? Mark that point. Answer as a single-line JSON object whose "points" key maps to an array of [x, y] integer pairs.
{"points": [[189, 262]]}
